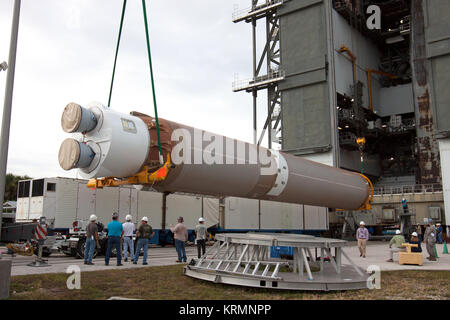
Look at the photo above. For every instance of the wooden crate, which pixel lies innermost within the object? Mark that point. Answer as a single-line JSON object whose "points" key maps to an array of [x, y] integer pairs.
{"points": [[410, 258]]}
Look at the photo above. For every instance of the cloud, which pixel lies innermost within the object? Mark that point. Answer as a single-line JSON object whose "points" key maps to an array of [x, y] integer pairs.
{"points": [[66, 51]]}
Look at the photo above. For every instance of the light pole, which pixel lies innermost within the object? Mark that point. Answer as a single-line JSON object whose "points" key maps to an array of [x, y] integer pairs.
{"points": [[6, 120]]}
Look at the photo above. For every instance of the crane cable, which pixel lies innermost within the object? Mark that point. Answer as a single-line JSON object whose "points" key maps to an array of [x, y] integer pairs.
{"points": [[117, 51], [144, 9]]}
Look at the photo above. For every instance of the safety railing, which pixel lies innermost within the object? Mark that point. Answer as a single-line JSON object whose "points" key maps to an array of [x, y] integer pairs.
{"points": [[405, 25], [239, 14], [273, 76], [410, 189]]}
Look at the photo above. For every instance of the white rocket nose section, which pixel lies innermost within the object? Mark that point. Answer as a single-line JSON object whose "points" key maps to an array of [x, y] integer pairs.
{"points": [[113, 144]]}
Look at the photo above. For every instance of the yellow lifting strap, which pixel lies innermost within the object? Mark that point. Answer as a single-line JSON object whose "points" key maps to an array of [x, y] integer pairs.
{"points": [[143, 177]]}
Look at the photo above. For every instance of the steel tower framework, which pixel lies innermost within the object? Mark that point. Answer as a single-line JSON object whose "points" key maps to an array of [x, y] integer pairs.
{"points": [[270, 56]]}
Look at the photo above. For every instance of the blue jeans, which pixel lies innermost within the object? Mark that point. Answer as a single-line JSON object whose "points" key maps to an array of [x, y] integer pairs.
{"points": [[181, 251], [142, 243], [128, 243], [113, 241], [89, 250]]}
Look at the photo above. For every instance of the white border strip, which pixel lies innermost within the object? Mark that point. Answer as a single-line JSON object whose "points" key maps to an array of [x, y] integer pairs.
{"points": [[282, 175]]}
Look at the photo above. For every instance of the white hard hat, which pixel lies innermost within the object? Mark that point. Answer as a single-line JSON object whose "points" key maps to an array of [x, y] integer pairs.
{"points": [[201, 219], [398, 232], [93, 218], [414, 234], [362, 223], [128, 217], [144, 219]]}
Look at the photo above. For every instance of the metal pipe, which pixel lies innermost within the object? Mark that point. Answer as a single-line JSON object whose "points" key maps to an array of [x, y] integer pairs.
{"points": [[255, 92], [369, 83], [352, 57], [6, 120], [164, 211], [332, 85], [270, 90]]}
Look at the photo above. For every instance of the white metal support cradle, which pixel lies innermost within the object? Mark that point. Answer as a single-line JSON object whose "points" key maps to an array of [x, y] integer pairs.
{"points": [[245, 260]]}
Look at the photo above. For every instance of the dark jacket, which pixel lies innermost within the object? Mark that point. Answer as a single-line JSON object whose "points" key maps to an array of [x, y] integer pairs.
{"points": [[419, 248]]}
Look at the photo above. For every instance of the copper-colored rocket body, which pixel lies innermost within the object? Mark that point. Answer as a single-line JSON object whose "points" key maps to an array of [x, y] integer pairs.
{"points": [[211, 164]]}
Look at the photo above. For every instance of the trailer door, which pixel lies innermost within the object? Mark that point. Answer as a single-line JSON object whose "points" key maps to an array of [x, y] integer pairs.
{"points": [[107, 202], [85, 202], [23, 201], [124, 202]]}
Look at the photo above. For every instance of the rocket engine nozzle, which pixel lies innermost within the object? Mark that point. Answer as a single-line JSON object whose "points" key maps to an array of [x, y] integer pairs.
{"points": [[75, 118], [74, 154]]}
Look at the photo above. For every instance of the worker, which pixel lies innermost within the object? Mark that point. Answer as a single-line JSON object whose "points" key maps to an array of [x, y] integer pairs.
{"points": [[415, 240], [128, 243], [143, 234], [362, 236], [91, 240], [404, 205], [430, 240], [419, 232], [439, 230], [200, 237], [115, 233], [180, 235], [395, 244]]}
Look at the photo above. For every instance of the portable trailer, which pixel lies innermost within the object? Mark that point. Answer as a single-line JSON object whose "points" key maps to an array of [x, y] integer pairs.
{"points": [[67, 205], [63, 201], [242, 215]]}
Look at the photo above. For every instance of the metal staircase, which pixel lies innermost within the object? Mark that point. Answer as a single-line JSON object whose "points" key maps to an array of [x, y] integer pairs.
{"points": [[248, 263]]}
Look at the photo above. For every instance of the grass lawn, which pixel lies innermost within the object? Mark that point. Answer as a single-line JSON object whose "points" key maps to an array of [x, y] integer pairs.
{"points": [[169, 283]]}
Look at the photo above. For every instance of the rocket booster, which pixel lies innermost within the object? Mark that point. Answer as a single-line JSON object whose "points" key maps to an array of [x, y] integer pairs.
{"points": [[110, 145]]}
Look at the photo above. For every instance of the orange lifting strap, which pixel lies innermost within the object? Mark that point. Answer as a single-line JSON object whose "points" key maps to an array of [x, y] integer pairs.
{"points": [[143, 177]]}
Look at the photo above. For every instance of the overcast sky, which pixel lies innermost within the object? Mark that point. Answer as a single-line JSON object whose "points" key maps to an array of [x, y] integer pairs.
{"points": [[66, 53]]}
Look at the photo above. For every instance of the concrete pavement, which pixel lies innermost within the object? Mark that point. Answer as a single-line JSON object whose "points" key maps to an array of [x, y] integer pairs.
{"points": [[378, 252], [59, 263]]}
